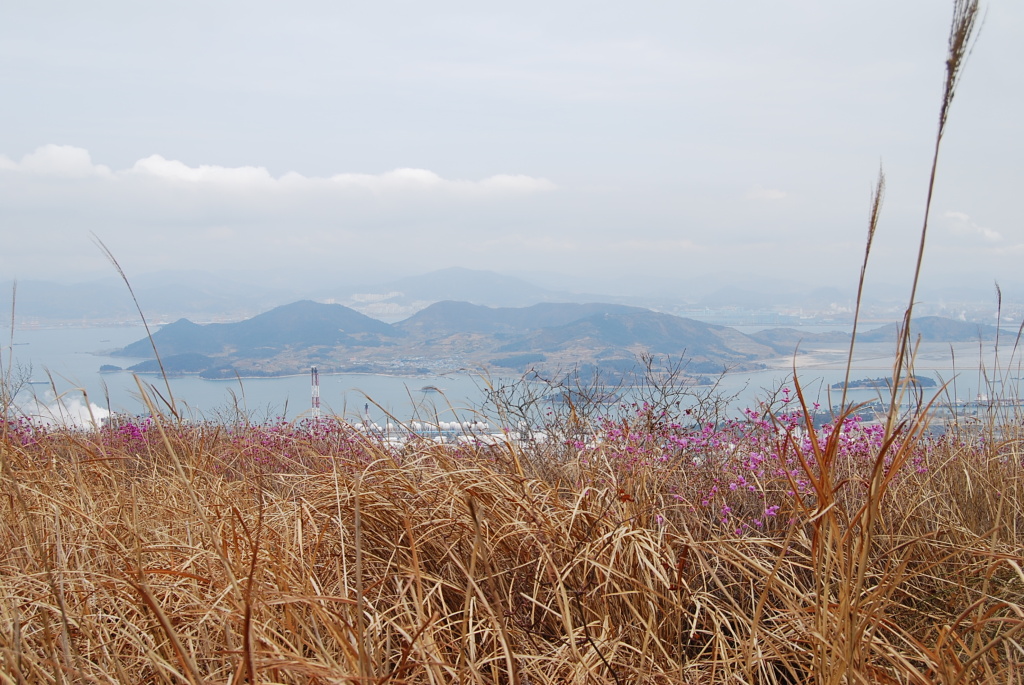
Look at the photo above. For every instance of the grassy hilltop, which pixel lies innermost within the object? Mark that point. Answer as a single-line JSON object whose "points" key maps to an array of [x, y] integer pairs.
{"points": [[652, 548]]}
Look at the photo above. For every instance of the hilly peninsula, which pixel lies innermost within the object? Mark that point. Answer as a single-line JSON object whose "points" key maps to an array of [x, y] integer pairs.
{"points": [[446, 336], [928, 329]]}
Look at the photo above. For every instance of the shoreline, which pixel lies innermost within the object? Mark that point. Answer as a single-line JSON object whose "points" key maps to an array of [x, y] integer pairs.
{"points": [[286, 375]]}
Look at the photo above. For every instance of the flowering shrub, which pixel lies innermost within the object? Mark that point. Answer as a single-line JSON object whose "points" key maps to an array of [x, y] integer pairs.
{"points": [[22, 430], [742, 476]]}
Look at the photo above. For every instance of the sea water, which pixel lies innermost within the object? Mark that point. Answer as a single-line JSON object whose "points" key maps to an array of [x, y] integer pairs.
{"points": [[63, 367]]}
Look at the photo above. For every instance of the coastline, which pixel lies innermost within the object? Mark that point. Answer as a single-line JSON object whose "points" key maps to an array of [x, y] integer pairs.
{"points": [[302, 374]]}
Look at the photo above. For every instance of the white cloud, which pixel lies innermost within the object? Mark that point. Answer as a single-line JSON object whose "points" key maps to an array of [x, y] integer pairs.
{"points": [[73, 162], [160, 213], [63, 161], [172, 170], [422, 179], [760, 193], [962, 224]]}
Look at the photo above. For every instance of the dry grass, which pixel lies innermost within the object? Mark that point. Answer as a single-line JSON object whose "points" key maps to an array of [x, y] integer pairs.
{"points": [[144, 565]]}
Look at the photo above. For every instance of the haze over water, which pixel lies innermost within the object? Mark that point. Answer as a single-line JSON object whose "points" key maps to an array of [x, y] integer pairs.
{"points": [[72, 358]]}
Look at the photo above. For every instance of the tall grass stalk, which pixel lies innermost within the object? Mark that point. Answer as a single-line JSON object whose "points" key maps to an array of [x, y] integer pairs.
{"points": [[876, 210], [169, 400], [853, 597], [962, 36]]}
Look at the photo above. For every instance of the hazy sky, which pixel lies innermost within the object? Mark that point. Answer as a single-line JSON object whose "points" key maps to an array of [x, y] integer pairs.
{"points": [[629, 142]]}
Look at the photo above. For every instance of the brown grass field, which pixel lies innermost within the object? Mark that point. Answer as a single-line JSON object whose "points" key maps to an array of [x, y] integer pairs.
{"points": [[183, 553]]}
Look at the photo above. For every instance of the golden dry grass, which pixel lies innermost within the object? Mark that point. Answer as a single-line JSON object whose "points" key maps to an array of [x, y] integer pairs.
{"points": [[137, 565]]}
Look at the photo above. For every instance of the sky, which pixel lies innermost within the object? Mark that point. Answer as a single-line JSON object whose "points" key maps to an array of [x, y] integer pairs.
{"points": [[624, 146]]}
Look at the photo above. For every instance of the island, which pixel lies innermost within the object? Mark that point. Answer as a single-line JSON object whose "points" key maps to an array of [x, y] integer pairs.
{"points": [[550, 338], [886, 383]]}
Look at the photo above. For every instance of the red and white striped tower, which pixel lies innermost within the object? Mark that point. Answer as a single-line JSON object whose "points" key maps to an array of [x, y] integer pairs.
{"points": [[316, 394]]}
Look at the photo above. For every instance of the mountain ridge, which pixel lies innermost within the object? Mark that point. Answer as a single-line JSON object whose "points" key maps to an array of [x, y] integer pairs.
{"points": [[443, 337], [449, 336]]}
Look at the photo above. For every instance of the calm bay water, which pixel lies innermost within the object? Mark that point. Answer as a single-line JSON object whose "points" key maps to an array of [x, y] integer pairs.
{"points": [[71, 358], [65, 362]]}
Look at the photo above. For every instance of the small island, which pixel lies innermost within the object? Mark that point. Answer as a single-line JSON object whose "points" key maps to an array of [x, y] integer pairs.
{"points": [[885, 383]]}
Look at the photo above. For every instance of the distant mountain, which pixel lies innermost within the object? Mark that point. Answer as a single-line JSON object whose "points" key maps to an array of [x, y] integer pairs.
{"points": [[180, 337], [300, 324], [176, 364], [448, 318], [233, 295], [470, 285], [445, 318], [930, 328], [628, 331], [934, 329], [161, 296], [785, 340], [396, 300], [767, 298], [443, 337]]}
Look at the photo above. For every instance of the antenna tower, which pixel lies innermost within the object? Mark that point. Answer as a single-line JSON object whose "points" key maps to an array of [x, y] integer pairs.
{"points": [[316, 394]]}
